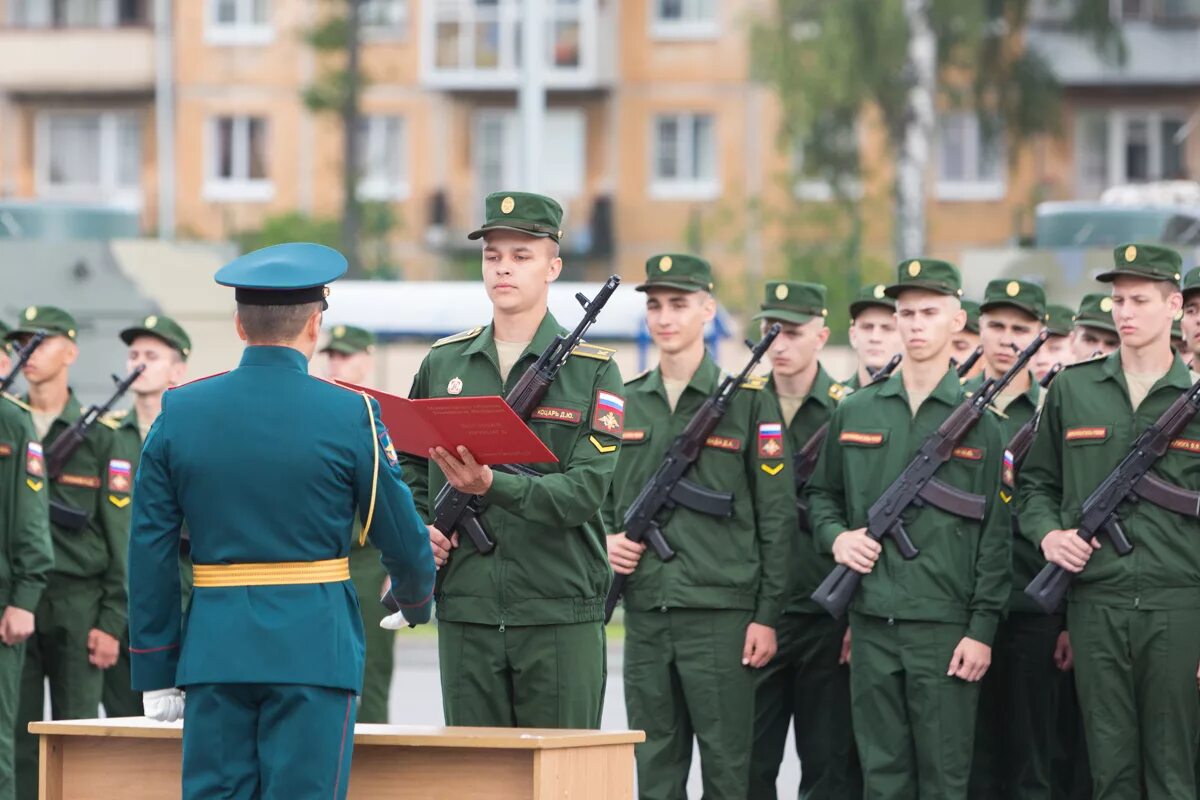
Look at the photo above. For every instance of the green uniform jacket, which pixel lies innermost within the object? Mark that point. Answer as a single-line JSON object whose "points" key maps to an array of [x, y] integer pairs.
{"points": [[550, 565], [852, 383], [810, 566], [964, 571], [28, 553], [1027, 559], [1087, 427], [97, 479], [740, 563]]}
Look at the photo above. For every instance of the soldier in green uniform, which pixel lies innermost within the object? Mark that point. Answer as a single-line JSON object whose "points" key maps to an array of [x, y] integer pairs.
{"points": [[699, 626], [1016, 726], [966, 341], [28, 557], [521, 629], [350, 353], [872, 332], [1094, 332], [5, 350], [1057, 347], [161, 346], [921, 629], [81, 617], [1133, 620], [1190, 322], [807, 683]]}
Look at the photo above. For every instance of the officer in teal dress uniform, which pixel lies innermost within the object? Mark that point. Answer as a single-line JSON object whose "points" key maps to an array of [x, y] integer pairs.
{"points": [[269, 467]]}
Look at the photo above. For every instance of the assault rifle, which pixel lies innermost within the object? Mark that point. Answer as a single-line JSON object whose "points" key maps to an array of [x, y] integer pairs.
{"points": [[21, 357], [1130, 481], [805, 462], [1018, 446], [669, 488], [61, 450], [965, 366], [918, 485]]}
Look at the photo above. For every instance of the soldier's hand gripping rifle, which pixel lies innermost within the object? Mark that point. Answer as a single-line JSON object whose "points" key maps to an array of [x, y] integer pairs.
{"points": [[805, 461], [1018, 446], [21, 358], [60, 452], [1130, 481], [918, 486], [669, 488]]}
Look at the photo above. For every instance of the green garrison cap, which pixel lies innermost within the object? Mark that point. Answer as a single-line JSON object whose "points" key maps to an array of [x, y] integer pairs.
{"points": [[160, 327], [1145, 261], [348, 339], [972, 309], [1061, 319], [523, 212], [284, 274], [793, 301], [928, 274], [50, 319], [678, 271], [873, 294], [1191, 282], [1021, 295], [1095, 311]]}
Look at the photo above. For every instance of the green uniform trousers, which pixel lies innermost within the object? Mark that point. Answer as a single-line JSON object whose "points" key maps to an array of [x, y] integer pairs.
{"points": [[247, 741], [683, 678], [804, 686], [11, 660], [1018, 704], [368, 575], [914, 725], [57, 651], [1072, 772], [1137, 688], [528, 676]]}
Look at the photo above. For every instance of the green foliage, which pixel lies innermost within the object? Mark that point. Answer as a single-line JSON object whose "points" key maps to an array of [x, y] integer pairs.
{"points": [[379, 221], [328, 92], [329, 36]]}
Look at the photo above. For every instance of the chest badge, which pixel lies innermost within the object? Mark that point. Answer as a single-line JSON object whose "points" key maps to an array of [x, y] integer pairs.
{"points": [[454, 386]]}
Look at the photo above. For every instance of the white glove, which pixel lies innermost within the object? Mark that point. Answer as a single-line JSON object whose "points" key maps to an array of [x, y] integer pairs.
{"points": [[394, 622], [164, 705]]}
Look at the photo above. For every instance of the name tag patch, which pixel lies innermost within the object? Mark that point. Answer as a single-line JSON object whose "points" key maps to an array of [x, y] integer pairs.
{"points": [[82, 481], [724, 443], [633, 436], [557, 414], [1086, 433], [5, 450], [854, 437], [968, 453], [1186, 445]]}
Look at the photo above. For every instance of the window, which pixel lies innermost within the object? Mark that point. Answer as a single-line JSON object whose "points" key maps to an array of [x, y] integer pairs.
{"points": [[970, 162], [1122, 146], [1159, 11], [496, 149], [77, 13], [829, 155], [237, 160], [383, 154], [89, 156], [684, 19], [238, 22], [685, 156], [384, 19]]}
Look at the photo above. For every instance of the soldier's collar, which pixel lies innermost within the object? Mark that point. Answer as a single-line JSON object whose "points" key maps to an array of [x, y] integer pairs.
{"points": [[704, 380], [948, 389], [1178, 376], [1031, 394], [486, 340], [71, 411], [819, 392], [257, 355]]}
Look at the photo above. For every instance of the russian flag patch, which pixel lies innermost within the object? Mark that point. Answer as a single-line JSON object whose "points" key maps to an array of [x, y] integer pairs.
{"points": [[120, 475], [609, 414], [770, 440]]}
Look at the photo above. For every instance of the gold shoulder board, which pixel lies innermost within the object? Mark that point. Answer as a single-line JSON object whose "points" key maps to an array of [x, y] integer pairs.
{"points": [[595, 351], [756, 383], [459, 337]]}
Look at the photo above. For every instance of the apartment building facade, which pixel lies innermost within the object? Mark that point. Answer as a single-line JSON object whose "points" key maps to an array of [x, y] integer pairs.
{"points": [[653, 125]]}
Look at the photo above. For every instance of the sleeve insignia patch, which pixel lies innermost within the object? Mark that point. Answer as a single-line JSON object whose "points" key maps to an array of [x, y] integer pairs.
{"points": [[609, 414], [603, 448], [35, 462], [1009, 474], [120, 502], [770, 440], [120, 475], [385, 444], [775, 470]]}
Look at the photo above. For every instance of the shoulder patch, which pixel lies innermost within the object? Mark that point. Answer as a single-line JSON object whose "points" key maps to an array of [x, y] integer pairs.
{"points": [[756, 383], [17, 401], [595, 351], [462, 336], [639, 376]]}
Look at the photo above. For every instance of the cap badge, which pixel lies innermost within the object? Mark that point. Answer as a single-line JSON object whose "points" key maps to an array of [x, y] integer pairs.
{"points": [[1130, 253], [781, 292], [1013, 289], [31, 313], [879, 292], [151, 321], [914, 269], [507, 205], [454, 386], [664, 264], [339, 331], [1106, 304]]}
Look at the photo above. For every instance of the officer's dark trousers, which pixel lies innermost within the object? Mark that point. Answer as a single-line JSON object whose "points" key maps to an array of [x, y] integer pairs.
{"points": [[914, 725], [11, 659], [804, 686], [368, 575], [683, 678], [1018, 712], [267, 742], [1136, 672]]}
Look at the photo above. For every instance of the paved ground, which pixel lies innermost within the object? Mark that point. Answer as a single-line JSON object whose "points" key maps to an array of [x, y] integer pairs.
{"points": [[416, 699]]}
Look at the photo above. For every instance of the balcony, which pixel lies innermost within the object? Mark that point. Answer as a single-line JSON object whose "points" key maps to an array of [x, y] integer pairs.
{"points": [[76, 46], [476, 44]]}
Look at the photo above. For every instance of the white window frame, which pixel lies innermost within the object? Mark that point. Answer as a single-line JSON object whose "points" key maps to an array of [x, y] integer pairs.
{"points": [[1116, 118], [817, 190], [970, 189], [109, 190], [236, 190], [686, 29], [384, 187], [395, 32], [244, 32], [510, 120], [39, 14], [690, 188]]}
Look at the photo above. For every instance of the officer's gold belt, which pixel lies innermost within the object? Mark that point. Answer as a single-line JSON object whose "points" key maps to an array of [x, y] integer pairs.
{"points": [[281, 573]]}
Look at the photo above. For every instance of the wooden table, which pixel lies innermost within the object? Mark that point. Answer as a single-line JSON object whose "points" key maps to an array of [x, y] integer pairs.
{"points": [[136, 759]]}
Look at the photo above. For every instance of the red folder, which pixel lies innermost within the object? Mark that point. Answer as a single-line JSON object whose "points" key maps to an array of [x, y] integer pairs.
{"points": [[486, 426]]}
